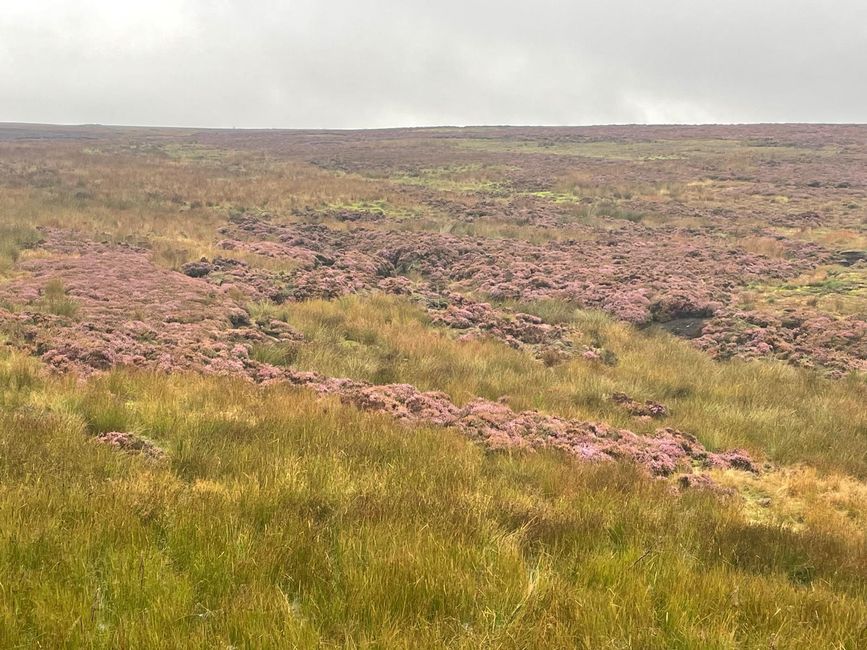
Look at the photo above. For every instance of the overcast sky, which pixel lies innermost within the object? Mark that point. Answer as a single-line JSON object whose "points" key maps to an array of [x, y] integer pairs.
{"points": [[372, 63]]}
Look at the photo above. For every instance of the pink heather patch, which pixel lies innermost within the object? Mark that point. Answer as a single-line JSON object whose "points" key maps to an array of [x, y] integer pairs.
{"points": [[621, 275], [648, 409], [497, 426], [133, 313]]}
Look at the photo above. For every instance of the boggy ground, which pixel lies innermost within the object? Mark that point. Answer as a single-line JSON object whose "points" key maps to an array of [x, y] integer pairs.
{"points": [[687, 302]]}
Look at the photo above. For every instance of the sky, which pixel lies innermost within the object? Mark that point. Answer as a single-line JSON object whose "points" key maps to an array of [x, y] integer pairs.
{"points": [[372, 63]]}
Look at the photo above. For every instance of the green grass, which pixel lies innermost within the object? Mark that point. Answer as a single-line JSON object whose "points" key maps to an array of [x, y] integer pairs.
{"points": [[276, 354], [833, 290], [788, 414], [459, 178], [283, 521]]}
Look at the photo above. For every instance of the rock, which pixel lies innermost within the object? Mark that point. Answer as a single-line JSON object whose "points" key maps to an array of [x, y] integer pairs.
{"points": [[851, 257]]}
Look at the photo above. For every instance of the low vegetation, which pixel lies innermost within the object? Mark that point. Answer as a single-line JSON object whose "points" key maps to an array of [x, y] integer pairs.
{"points": [[56, 301]]}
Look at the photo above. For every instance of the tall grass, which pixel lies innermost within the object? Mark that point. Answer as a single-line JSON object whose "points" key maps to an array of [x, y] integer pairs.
{"points": [[165, 200], [790, 415], [283, 521]]}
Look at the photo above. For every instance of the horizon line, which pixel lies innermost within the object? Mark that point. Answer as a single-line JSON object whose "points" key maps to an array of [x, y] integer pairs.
{"points": [[7, 124]]}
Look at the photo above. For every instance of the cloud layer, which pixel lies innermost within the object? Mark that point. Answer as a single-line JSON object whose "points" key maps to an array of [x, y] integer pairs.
{"points": [[372, 63]]}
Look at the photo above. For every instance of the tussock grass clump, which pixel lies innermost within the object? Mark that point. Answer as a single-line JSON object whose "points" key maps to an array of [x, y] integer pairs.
{"points": [[276, 354], [55, 299], [14, 238], [279, 520]]}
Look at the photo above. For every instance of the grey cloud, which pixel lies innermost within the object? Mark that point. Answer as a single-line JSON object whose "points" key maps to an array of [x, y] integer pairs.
{"points": [[370, 63]]}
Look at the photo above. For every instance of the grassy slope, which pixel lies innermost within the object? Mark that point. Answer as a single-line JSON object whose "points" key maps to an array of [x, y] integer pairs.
{"points": [[280, 520]]}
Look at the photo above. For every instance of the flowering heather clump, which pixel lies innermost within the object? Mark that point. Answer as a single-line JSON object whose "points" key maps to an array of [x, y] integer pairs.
{"points": [[694, 279], [197, 269], [735, 459], [516, 330], [703, 482], [464, 314], [497, 426], [805, 339]]}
